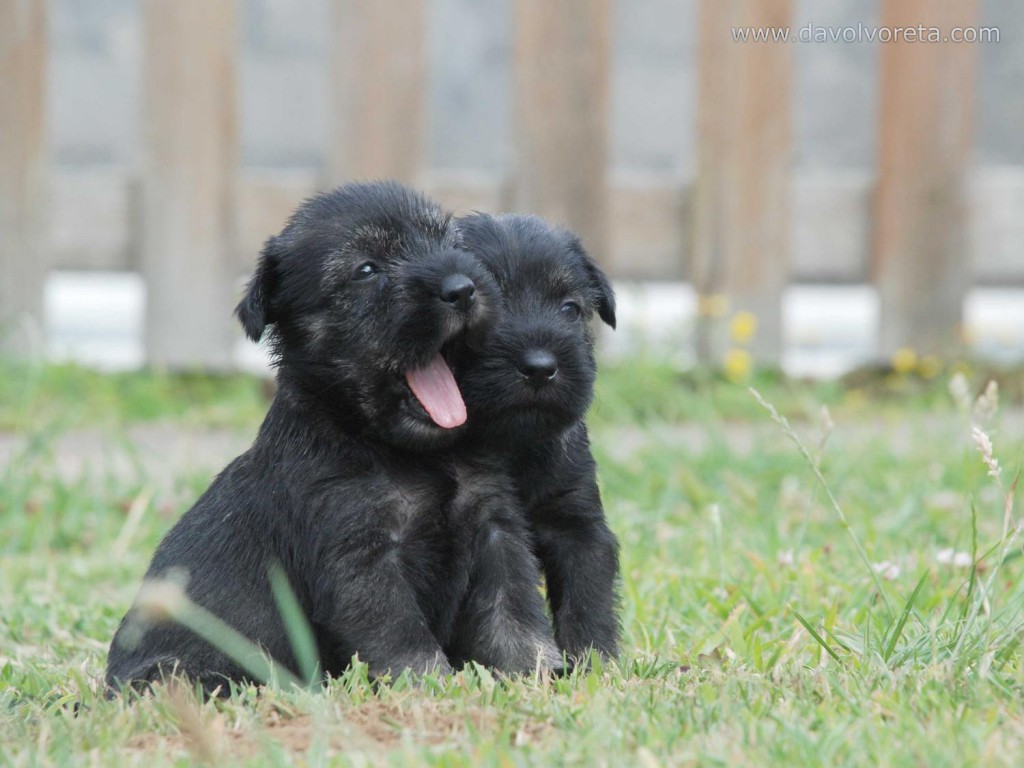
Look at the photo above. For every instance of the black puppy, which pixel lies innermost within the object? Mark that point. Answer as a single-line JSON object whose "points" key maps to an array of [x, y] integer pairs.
{"points": [[527, 393], [350, 487]]}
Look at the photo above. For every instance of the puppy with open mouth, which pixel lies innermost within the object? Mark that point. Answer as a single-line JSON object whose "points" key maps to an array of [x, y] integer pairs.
{"points": [[349, 486]]}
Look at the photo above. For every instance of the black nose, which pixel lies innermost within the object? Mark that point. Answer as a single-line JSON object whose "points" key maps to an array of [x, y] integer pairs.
{"points": [[458, 290], [538, 365]]}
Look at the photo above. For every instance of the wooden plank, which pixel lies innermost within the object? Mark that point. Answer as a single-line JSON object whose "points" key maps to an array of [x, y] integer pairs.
{"points": [[921, 263], [649, 220], [379, 81], [831, 229], [463, 192], [265, 200], [742, 201], [94, 219], [23, 174], [191, 149], [562, 67], [997, 227]]}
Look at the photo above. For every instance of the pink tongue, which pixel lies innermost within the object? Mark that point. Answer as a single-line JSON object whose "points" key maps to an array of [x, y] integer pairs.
{"points": [[435, 388]]}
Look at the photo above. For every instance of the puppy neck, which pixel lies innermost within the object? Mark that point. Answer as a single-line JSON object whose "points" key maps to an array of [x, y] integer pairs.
{"points": [[300, 413]]}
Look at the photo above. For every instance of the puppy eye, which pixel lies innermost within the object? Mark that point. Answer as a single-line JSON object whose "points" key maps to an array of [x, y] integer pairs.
{"points": [[571, 310], [365, 271]]}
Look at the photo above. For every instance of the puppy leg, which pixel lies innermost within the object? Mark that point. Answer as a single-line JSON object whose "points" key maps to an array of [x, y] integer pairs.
{"points": [[580, 556], [370, 609], [502, 623]]}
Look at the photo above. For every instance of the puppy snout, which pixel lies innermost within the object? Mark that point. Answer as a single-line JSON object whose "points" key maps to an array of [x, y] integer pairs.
{"points": [[539, 366], [459, 291]]}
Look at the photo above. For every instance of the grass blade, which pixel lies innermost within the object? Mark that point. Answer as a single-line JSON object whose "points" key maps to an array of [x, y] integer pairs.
{"points": [[814, 633], [902, 622], [300, 633], [783, 422]]}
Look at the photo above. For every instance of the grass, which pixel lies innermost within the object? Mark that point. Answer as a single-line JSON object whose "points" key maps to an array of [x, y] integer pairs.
{"points": [[68, 395], [872, 616]]}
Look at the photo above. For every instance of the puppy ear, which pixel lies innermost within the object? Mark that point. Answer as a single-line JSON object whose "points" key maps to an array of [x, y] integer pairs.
{"points": [[599, 281], [253, 311]]}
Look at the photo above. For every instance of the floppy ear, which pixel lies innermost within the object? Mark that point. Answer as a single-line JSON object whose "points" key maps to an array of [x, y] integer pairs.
{"points": [[599, 281], [253, 311]]}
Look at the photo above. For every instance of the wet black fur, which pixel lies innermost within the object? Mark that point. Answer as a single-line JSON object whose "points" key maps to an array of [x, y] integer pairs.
{"points": [[550, 288], [398, 547]]}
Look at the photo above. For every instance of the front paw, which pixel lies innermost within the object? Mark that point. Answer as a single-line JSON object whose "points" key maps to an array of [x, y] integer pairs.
{"points": [[422, 663], [582, 656], [551, 659], [581, 642], [531, 656]]}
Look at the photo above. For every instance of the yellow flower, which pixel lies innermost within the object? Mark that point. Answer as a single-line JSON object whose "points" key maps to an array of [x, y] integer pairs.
{"points": [[743, 327], [737, 364], [712, 304], [904, 360]]}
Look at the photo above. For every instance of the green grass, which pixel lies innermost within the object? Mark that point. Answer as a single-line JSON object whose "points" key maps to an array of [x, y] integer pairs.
{"points": [[754, 633], [68, 395]]}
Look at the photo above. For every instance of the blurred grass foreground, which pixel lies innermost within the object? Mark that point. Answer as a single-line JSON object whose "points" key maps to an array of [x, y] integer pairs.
{"points": [[837, 582]]}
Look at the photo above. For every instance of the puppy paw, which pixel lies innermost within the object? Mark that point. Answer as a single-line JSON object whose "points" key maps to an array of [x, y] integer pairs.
{"points": [[583, 658], [439, 666], [425, 663], [534, 656], [550, 659]]}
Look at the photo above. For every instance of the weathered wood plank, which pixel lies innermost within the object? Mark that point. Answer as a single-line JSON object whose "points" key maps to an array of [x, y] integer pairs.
{"points": [[649, 220], [742, 241], [831, 230], [921, 263], [562, 68], [23, 174], [378, 86], [188, 213], [996, 224], [94, 219], [647, 224], [265, 200]]}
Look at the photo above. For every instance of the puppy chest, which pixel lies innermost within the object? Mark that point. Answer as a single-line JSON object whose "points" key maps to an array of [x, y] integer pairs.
{"points": [[484, 494], [414, 511]]}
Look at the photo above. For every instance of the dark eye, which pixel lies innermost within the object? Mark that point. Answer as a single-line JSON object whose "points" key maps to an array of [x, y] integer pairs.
{"points": [[365, 271], [571, 310]]}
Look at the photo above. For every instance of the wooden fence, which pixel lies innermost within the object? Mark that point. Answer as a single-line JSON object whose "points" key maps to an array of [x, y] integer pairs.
{"points": [[191, 219]]}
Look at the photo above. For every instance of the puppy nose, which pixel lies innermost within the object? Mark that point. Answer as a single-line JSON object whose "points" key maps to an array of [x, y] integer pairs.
{"points": [[458, 290], [538, 365]]}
